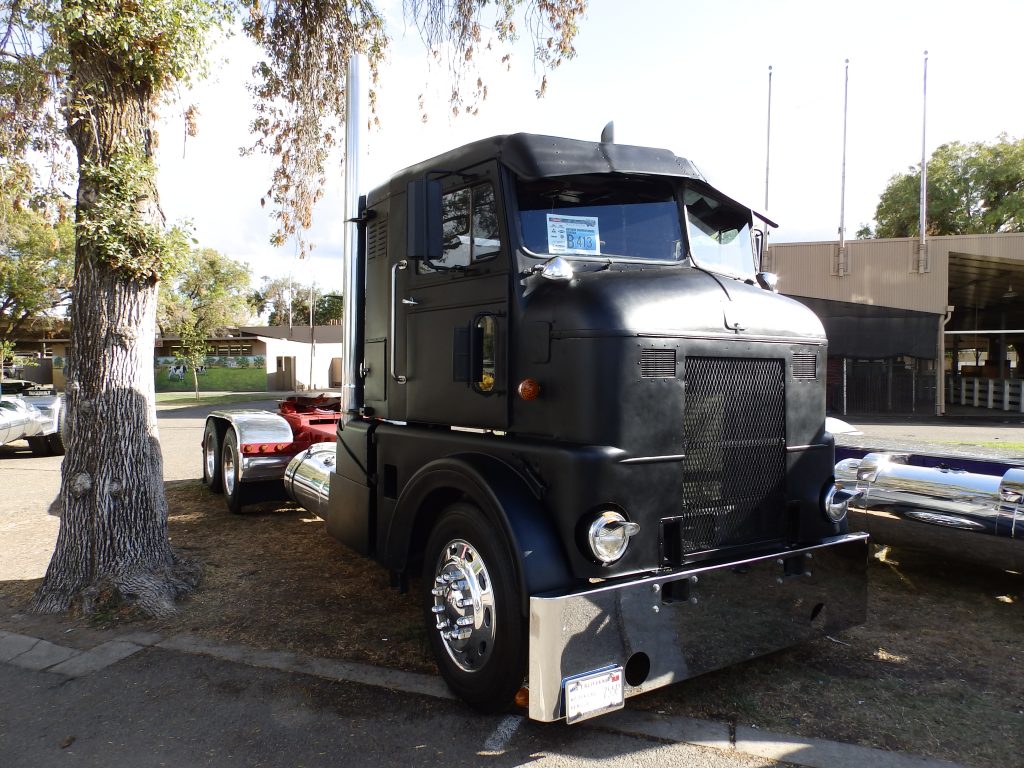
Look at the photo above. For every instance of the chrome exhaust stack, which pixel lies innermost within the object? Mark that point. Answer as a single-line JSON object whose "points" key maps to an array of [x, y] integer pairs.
{"points": [[356, 98]]}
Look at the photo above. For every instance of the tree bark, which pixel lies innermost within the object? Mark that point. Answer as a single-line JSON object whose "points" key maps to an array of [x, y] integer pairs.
{"points": [[112, 547]]}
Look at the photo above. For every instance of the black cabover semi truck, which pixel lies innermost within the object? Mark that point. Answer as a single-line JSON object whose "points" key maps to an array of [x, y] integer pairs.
{"points": [[576, 411]]}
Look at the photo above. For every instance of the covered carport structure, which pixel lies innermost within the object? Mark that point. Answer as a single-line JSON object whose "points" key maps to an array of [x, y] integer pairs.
{"points": [[911, 325]]}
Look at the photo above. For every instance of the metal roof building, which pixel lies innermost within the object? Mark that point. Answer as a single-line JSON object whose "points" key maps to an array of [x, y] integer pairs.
{"points": [[913, 327]]}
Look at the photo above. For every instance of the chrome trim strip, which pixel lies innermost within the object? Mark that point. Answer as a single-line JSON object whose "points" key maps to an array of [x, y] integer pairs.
{"points": [[799, 448], [654, 459]]}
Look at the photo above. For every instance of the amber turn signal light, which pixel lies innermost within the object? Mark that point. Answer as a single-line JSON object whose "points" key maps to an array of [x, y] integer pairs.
{"points": [[528, 389], [523, 698]]}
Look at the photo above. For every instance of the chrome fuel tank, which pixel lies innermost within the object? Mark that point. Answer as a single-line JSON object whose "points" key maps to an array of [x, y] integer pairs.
{"points": [[962, 515], [308, 477]]}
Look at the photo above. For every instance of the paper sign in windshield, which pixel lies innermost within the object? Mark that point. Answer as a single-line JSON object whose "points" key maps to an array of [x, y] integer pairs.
{"points": [[573, 234]]}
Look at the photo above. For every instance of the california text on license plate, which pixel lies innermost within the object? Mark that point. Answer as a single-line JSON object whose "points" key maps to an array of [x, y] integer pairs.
{"points": [[593, 694]]}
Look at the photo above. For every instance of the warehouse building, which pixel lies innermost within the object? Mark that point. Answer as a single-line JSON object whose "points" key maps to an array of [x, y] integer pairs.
{"points": [[913, 327]]}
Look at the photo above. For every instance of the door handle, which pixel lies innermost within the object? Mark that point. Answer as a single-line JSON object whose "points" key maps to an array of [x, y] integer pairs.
{"points": [[393, 357], [410, 302]]}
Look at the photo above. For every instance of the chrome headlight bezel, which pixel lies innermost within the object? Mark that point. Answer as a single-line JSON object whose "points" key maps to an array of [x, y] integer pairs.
{"points": [[608, 536]]}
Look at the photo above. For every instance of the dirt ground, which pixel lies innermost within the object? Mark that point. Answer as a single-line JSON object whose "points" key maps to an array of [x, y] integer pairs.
{"points": [[938, 669]]}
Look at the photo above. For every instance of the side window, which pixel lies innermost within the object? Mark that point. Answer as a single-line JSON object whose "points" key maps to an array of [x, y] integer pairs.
{"points": [[469, 229]]}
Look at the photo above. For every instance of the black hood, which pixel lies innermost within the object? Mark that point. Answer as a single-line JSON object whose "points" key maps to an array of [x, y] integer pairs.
{"points": [[666, 301]]}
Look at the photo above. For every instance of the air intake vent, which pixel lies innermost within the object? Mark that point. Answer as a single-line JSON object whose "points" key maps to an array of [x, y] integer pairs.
{"points": [[805, 366], [658, 364], [377, 238]]}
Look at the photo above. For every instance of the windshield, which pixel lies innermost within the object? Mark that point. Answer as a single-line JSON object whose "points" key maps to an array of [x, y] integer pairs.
{"points": [[719, 234], [623, 217]]}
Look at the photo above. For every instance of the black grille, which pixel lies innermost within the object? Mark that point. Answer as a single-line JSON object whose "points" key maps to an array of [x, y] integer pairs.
{"points": [[805, 365], [657, 363], [735, 444]]}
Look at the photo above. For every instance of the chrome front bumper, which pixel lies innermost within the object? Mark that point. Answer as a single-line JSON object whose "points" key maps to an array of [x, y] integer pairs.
{"points": [[668, 628]]}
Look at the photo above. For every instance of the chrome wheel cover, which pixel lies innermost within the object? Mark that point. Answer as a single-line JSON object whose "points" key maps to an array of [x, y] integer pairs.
{"points": [[229, 472], [210, 455], [464, 605]]}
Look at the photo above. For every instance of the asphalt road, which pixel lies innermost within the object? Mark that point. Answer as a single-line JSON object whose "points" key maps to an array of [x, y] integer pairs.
{"points": [[160, 708]]}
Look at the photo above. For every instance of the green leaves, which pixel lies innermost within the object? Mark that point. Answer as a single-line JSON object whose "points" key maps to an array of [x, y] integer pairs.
{"points": [[115, 217], [153, 43], [974, 188]]}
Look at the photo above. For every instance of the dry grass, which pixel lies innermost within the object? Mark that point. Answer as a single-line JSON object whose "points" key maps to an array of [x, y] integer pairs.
{"points": [[274, 579], [938, 669]]}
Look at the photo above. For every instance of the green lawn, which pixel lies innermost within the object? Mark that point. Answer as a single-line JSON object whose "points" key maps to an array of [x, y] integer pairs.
{"points": [[214, 380], [220, 398]]}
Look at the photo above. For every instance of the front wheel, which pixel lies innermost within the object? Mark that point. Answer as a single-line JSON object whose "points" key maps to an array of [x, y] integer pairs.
{"points": [[476, 627]]}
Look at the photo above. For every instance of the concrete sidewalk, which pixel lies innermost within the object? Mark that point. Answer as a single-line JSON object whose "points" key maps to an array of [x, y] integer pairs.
{"points": [[116, 665]]}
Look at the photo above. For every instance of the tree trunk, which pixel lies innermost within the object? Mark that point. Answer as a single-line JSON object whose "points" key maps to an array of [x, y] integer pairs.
{"points": [[112, 547]]}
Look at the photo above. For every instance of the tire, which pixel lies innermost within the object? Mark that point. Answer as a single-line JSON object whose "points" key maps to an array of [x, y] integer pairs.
{"points": [[39, 445], [212, 468], [56, 440], [236, 493], [465, 559]]}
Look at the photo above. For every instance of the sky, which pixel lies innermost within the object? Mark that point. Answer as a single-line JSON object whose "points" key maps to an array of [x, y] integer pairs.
{"points": [[685, 75]]}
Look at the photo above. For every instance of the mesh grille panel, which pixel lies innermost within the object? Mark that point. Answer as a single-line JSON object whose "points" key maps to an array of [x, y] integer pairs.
{"points": [[735, 437]]}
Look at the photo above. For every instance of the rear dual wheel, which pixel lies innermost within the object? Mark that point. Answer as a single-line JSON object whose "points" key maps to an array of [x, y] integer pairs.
{"points": [[474, 619], [236, 493], [212, 475]]}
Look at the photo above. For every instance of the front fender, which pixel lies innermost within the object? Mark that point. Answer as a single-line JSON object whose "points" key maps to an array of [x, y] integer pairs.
{"points": [[504, 498]]}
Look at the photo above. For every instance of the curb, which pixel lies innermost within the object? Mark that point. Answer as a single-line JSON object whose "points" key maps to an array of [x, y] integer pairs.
{"points": [[41, 655]]}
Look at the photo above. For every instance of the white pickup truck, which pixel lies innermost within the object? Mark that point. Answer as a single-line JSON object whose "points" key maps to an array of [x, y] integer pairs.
{"points": [[34, 413]]}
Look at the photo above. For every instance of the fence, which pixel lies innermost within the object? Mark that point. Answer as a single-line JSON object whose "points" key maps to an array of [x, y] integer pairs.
{"points": [[890, 385], [999, 394]]}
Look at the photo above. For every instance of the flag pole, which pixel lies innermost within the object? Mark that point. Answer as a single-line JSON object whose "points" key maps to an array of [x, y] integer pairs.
{"points": [[842, 193], [923, 226], [768, 144]]}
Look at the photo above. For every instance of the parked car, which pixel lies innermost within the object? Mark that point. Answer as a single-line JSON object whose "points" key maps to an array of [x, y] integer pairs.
{"points": [[34, 413]]}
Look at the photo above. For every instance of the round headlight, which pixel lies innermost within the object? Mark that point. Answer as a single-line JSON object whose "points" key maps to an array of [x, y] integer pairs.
{"points": [[609, 535]]}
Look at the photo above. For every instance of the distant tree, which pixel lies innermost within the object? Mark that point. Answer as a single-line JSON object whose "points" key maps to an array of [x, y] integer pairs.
{"points": [[974, 188], [211, 293], [284, 301], [36, 264]]}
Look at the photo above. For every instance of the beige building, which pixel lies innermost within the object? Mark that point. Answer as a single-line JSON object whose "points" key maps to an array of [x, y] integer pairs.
{"points": [[255, 358], [911, 328]]}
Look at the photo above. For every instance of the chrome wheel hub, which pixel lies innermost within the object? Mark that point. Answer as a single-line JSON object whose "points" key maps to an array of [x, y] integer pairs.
{"points": [[211, 457], [229, 472], [464, 605]]}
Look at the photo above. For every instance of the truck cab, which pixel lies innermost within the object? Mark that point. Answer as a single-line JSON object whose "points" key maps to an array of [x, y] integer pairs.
{"points": [[577, 399]]}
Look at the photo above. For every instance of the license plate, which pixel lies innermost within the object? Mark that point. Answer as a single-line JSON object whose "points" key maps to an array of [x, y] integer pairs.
{"points": [[593, 694]]}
